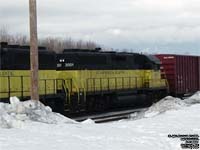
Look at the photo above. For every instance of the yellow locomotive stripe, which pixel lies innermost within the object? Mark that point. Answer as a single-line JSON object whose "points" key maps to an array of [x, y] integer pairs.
{"points": [[91, 80], [17, 81]]}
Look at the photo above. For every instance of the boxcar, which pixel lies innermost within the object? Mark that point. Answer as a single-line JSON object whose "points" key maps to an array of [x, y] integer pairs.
{"points": [[182, 73]]}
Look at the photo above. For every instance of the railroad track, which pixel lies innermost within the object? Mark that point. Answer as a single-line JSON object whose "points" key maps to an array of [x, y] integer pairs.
{"points": [[110, 116]]}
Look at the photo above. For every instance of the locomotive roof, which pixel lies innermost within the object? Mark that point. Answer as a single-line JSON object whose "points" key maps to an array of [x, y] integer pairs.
{"points": [[5, 45], [87, 51], [153, 59]]}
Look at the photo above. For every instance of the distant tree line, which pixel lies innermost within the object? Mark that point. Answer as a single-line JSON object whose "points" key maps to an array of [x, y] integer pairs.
{"points": [[51, 43]]}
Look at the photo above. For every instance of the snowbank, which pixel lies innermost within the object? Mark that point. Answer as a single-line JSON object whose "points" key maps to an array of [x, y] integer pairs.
{"points": [[194, 99], [88, 121], [16, 113], [166, 104], [149, 133], [143, 134]]}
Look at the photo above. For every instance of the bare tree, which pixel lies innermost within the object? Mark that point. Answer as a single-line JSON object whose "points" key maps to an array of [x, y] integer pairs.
{"points": [[68, 43], [51, 43], [59, 44], [4, 36], [91, 45], [14, 39], [80, 44]]}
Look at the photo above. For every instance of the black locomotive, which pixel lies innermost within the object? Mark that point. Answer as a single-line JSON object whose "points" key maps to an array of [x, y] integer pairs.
{"points": [[82, 80]]}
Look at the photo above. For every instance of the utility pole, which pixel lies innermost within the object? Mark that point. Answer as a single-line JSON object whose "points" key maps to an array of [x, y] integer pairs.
{"points": [[33, 50]]}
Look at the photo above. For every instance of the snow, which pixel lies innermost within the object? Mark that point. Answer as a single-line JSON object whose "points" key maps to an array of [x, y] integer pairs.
{"points": [[166, 104], [194, 99], [42, 129], [17, 113], [88, 121]]}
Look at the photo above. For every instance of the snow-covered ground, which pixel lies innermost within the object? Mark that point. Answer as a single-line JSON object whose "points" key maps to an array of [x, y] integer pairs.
{"points": [[30, 126]]}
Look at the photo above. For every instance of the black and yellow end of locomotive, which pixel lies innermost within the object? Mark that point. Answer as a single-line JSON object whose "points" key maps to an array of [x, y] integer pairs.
{"points": [[82, 80]]}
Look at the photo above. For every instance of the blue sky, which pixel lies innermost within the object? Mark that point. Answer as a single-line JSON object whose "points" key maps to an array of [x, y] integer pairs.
{"points": [[154, 26]]}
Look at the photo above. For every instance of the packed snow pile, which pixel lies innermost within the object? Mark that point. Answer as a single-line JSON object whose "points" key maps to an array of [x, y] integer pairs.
{"points": [[143, 134], [166, 104], [150, 133], [16, 113], [194, 99], [88, 121]]}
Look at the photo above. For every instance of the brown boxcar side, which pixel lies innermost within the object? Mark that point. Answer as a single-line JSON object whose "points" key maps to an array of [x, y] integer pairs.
{"points": [[182, 73]]}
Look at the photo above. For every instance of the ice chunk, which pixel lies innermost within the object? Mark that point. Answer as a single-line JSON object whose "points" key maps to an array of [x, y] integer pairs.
{"points": [[14, 101]]}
